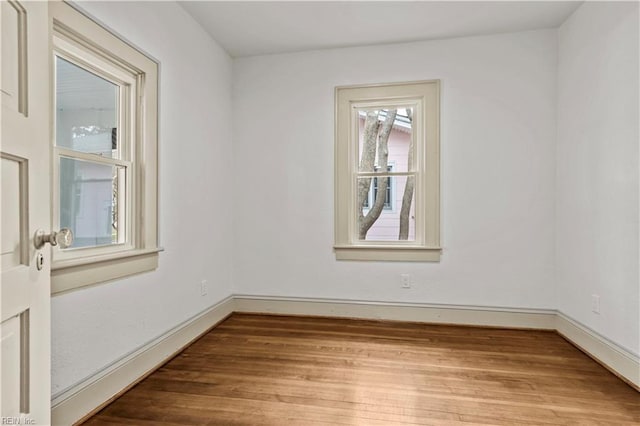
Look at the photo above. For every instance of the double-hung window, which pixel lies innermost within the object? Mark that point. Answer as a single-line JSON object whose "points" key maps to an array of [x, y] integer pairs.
{"points": [[387, 172], [104, 153]]}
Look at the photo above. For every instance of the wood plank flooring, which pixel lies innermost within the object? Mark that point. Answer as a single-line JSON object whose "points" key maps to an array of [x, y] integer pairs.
{"points": [[278, 370]]}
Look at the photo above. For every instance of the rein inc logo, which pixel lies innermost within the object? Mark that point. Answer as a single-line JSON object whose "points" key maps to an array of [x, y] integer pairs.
{"points": [[17, 421]]}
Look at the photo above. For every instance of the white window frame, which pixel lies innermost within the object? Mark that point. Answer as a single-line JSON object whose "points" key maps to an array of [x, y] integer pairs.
{"points": [[81, 41], [424, 98]]}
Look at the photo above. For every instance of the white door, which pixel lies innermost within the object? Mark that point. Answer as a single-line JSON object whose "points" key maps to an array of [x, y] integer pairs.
{"points": [[24, 197]]}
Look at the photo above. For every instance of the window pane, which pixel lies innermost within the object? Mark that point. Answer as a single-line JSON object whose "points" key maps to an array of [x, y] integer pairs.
{"points": [[92, 202], [371, 131], [373, 191], [86, 110], [393, 223]]}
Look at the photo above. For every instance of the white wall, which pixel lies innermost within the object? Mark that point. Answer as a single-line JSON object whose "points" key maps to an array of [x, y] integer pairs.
{"points": [[499, 179], [95, 326], [597, 170], [498, 168]]}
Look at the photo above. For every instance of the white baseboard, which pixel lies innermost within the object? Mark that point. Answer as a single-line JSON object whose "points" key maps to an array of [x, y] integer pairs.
{"points": [[75, 403], [620, 361], [414, 312], [83, 398]]}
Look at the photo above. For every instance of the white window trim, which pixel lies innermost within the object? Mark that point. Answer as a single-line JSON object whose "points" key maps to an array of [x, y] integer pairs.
{"points": [[425, 97], [79, 38]]}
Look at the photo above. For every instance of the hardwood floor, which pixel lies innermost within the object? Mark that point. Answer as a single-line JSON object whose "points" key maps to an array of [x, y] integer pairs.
{"points": [[278, 370]]}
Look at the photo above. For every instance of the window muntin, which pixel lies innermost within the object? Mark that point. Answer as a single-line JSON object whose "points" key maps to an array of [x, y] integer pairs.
{"points": [[362, 156]]}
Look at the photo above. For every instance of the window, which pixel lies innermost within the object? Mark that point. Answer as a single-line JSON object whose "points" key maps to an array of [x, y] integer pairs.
{"points": [[387, 172], [104, 153], [373, 193]]}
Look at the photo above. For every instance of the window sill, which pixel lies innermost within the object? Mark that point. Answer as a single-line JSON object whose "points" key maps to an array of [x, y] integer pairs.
{"points": [[389, 254], [71, 274]]}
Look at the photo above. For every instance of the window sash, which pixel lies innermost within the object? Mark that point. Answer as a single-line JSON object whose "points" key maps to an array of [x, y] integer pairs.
{"points": [[125, 156], [357, 107], [125, 208], [126, 82]]}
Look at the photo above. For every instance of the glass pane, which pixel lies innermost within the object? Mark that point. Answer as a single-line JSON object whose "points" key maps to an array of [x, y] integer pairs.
{"points": [[375, 185], [391, 217], [92, 202], [86, 110], [375, 132]]}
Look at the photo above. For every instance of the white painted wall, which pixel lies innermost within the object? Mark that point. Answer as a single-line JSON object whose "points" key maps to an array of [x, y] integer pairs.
{"points": [[95, 326], [498, 171], [597, 170]]}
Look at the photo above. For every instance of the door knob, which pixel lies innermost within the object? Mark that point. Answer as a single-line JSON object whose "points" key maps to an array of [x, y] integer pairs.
{"points": [[62, 238]]}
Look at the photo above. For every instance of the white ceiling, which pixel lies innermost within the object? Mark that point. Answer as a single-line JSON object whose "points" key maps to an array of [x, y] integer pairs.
{"points": [[256, 28]]}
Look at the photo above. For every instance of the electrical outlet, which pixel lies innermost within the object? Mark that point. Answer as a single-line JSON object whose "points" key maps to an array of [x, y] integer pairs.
{"points": [[405, 280], [595, 303], [203, 288]]}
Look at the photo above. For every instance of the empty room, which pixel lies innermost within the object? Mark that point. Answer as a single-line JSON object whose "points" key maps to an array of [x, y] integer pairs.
{"points": [[308, 212]]}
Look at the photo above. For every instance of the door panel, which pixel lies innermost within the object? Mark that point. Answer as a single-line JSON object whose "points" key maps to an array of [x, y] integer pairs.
{"points": [[13, 240], [15, 365], [14, 56], [11, 386], [24, 197]]}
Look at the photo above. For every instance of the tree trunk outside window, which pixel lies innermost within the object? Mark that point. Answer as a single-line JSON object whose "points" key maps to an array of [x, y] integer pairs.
{"points": [[373, 131]]}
